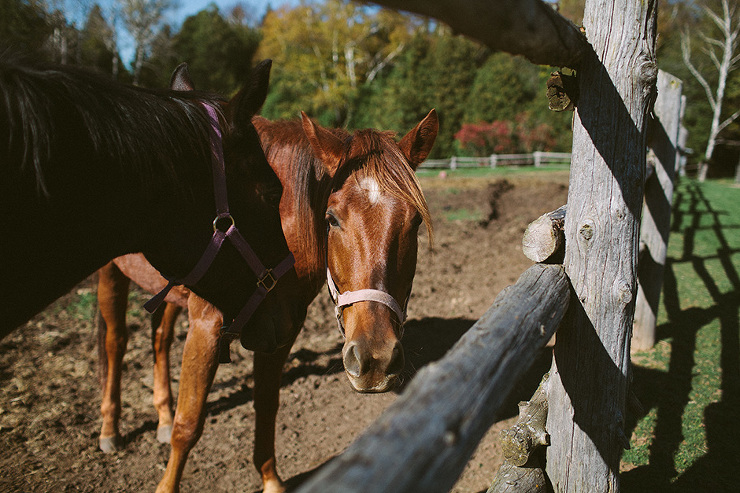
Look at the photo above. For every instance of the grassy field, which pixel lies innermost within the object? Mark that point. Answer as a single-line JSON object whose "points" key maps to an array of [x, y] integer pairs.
{"points": [[689, 385]]}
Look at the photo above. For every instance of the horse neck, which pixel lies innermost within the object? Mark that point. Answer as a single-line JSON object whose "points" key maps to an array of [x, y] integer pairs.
{"points": [[303, 206]]}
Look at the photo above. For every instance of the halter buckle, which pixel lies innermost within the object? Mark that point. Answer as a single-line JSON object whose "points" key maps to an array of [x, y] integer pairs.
{"points": [[267, 281]]}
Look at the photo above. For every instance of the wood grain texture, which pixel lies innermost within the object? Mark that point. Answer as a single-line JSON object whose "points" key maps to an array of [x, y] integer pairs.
{"points": [[656, 220], [544, 238], [530, 28], [425, 438], [588, 379]]}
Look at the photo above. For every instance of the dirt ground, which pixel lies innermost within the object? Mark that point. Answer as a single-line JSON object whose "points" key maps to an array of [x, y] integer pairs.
{"points": [[49, 394]]}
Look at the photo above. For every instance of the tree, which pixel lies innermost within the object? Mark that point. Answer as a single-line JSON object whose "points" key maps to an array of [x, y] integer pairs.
{"points": [[326, 54], [513, 89], [219, 51], [502, 88], [720, 45], [95, 46], [23, 24], [142, 19]]}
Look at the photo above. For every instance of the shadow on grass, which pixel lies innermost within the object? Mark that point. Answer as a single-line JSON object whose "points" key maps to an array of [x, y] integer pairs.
{"points": [[670, 393]]}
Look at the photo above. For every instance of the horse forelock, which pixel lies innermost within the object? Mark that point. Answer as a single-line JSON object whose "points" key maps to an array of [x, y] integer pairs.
{"points": [[376, 156]]}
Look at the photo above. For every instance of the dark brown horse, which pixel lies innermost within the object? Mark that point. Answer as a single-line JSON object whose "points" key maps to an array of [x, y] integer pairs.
{"points": [[351, 199], [91, 169]]}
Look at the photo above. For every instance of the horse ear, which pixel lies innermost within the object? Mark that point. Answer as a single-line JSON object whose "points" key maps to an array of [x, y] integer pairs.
{"points": [[180, 80], [417, 144], [327, 146], [250, 98]]}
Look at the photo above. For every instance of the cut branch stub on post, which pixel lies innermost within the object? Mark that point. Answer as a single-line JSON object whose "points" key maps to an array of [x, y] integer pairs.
{"points": [[544, 238], [522, 469], [562, 91], [424, 439]]}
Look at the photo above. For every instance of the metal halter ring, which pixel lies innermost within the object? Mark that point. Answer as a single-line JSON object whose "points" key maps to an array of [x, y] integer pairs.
{"points": [[221, 217]]}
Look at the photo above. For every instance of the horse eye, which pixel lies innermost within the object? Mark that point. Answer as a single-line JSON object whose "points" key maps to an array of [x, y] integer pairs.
{"points": [[331, 220]]}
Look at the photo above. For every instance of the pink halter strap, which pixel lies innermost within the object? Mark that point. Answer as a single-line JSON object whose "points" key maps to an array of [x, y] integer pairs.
{"points": [[223, 228], [348, 298], [351, 297]]}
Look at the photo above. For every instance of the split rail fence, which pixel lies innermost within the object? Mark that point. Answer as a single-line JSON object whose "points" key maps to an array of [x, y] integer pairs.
{"points": [[425, 438], [536, 159]]}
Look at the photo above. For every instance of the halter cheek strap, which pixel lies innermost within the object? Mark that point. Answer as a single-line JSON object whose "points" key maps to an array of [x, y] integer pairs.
{"points": [[223, 228]]}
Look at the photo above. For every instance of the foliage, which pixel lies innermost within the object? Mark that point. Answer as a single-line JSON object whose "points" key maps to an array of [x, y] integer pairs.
{"points": [[505, 137], [95, 51], [23, 24], [326, 54], [143, 20], [218, 50]]}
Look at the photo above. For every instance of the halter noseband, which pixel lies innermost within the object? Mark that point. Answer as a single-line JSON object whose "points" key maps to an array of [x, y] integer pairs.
{"points": [[224, 227], [348, 298]]}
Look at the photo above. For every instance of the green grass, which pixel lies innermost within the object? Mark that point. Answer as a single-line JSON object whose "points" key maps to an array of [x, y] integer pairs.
{"points": [[477, 172], [689, 384]]}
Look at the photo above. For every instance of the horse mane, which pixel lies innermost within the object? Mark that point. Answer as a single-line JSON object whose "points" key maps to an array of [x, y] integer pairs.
{"points": [[124, 124], [372, 152]]}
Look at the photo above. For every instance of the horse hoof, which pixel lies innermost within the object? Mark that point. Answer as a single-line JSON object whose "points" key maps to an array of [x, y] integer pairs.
{"points": [[164, 433], [110, 444]]}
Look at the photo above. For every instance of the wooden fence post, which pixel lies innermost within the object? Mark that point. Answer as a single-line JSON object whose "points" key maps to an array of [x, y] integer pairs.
{"points": [[588, 379], [656, 218]]}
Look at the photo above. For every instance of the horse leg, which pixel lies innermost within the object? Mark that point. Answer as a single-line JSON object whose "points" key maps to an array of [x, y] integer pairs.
{"points": [[112, 340], [199, 365], [162, 336], [268, 370]]}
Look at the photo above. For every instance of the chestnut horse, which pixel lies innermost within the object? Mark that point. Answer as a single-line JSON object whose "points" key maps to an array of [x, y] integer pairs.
{"points": [[93, 169], [349, 201]]}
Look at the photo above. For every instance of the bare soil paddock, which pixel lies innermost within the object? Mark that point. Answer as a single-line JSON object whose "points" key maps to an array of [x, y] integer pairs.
{"points": [[49, 395]]}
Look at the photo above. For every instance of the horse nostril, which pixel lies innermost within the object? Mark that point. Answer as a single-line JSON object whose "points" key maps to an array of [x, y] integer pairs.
{"points": [[397, 361], [352, 362]]}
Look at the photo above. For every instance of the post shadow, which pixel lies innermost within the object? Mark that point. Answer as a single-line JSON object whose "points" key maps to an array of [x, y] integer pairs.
{"points": [[715, 471]]}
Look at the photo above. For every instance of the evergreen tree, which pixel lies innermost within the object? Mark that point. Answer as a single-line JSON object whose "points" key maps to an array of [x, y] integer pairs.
{"points": [[504, 87], [94, 48], [218, 51], [23, 25]]}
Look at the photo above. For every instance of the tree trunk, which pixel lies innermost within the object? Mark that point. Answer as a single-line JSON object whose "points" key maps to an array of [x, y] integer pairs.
{"points": [[588, 379], [656, 222]]}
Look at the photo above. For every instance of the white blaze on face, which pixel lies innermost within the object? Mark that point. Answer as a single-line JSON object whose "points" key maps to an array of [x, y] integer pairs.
{"points": [[372, 189]]}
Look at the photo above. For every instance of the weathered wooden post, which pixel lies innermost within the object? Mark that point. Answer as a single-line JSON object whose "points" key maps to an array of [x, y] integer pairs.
{"points": [[588, 378], [656, 219]]}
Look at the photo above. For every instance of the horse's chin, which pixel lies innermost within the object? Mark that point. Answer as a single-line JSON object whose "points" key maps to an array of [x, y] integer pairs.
{"points": [[366, 387]]}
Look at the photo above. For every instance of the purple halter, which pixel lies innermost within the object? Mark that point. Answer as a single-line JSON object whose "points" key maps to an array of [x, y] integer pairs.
{"points": [[224, 227]]}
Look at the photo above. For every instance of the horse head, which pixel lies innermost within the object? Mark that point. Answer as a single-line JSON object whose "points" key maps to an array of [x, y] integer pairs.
{"points": [[373, 213]]}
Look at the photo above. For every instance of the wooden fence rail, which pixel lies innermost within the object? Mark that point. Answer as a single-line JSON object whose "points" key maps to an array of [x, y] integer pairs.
{"points": [[537, 159], [425, 438]]}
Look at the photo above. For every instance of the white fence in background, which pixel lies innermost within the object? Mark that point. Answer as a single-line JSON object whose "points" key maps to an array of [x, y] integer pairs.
{"points": [[536, 159]]}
